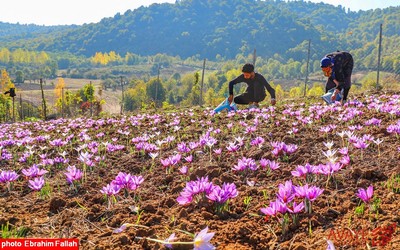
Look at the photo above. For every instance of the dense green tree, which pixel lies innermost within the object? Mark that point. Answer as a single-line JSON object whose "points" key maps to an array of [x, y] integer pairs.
{"points": [[155, 91]]}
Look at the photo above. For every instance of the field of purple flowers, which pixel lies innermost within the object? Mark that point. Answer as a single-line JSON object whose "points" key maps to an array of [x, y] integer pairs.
{"points": [[300, 175]]}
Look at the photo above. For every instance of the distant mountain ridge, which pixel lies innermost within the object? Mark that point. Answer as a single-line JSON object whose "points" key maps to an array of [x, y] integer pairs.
{"points": [[212, 29]]}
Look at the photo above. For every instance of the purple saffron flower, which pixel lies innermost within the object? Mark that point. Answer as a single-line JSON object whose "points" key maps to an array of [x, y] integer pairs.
{"points": [[258, 141], [73, 174], [286, 192], [183, 148], [166, 162], [33, 171], [183, 170], [245, 163], [331, 246], [8, 176], [301, 171], [273, 165], [345, 160], [264, 163], [360, 144], [297, 208], [232, 147], [271, 210], [120, 229], [221, 195], [110, 189], [274, 207], [218, 151], [313, 193], [184, 198], [189, 158], [37, 183], [301, 191], [366, 195], [171, 238]]}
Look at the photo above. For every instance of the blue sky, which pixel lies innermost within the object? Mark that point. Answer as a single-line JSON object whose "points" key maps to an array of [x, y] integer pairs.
{"points": [[56, 12]]}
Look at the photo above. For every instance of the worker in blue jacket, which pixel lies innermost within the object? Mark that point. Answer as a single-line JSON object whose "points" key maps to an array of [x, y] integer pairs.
{"points": [[338, 66]]}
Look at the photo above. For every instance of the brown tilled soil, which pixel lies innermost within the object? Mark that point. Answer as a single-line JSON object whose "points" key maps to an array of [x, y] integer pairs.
{"points": [[153, 206]]}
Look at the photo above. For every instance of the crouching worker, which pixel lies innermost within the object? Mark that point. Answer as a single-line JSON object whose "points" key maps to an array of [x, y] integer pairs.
{"points": [[256, 85], [338, 67]]}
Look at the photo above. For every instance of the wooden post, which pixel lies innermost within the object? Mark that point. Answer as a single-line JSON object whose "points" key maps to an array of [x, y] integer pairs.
{"points": [[43, 100], [202, 82], [158, 82], [91, 101], [308, 60], [379, 57], [62, 102], [122, 97], [13, 109], [22, 109]]}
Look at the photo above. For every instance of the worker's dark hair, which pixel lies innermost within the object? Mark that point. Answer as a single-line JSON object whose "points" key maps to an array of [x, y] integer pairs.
{"points": [[248, 68]]}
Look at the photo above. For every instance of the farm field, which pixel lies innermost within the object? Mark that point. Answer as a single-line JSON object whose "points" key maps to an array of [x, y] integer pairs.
{"points": [[31, 92], [298, 175]]}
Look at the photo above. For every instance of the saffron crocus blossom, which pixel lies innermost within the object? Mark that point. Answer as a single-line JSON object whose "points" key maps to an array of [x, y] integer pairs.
{"points": [[232, 147], [303, 171], [366, 195], [36, 184], [286, 192], [301, 191], [73, 174], [218, 151], [361, 144], [202, 240], [274, 208], [264, 163], [245, 163], [273, 165], [33, 171], [258, 141], [128, 181], [189, 158], [8, 176], [221, 195], [120, 229], [296, 208], [313, 193], [183, 170], [183, 148], [171, 238], [110, 189], [345, 160], [331, 246], [201, 185]]}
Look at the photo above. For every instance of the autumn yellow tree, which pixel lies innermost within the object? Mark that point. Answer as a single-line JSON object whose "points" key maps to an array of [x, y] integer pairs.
{"points": [[5, 81], [59, 87], [99, 58], [5, 55]]}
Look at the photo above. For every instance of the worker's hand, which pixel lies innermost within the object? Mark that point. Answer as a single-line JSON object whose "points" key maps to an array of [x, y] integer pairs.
{"points": [[230, 99], [333, 97], [273, 102]]}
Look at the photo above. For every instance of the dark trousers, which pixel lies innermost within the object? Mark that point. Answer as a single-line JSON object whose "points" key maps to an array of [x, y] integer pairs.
{"points": [[247, 98]]}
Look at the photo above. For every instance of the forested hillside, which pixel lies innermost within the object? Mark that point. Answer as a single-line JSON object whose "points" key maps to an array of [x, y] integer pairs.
{"points": [[220, 29]]}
